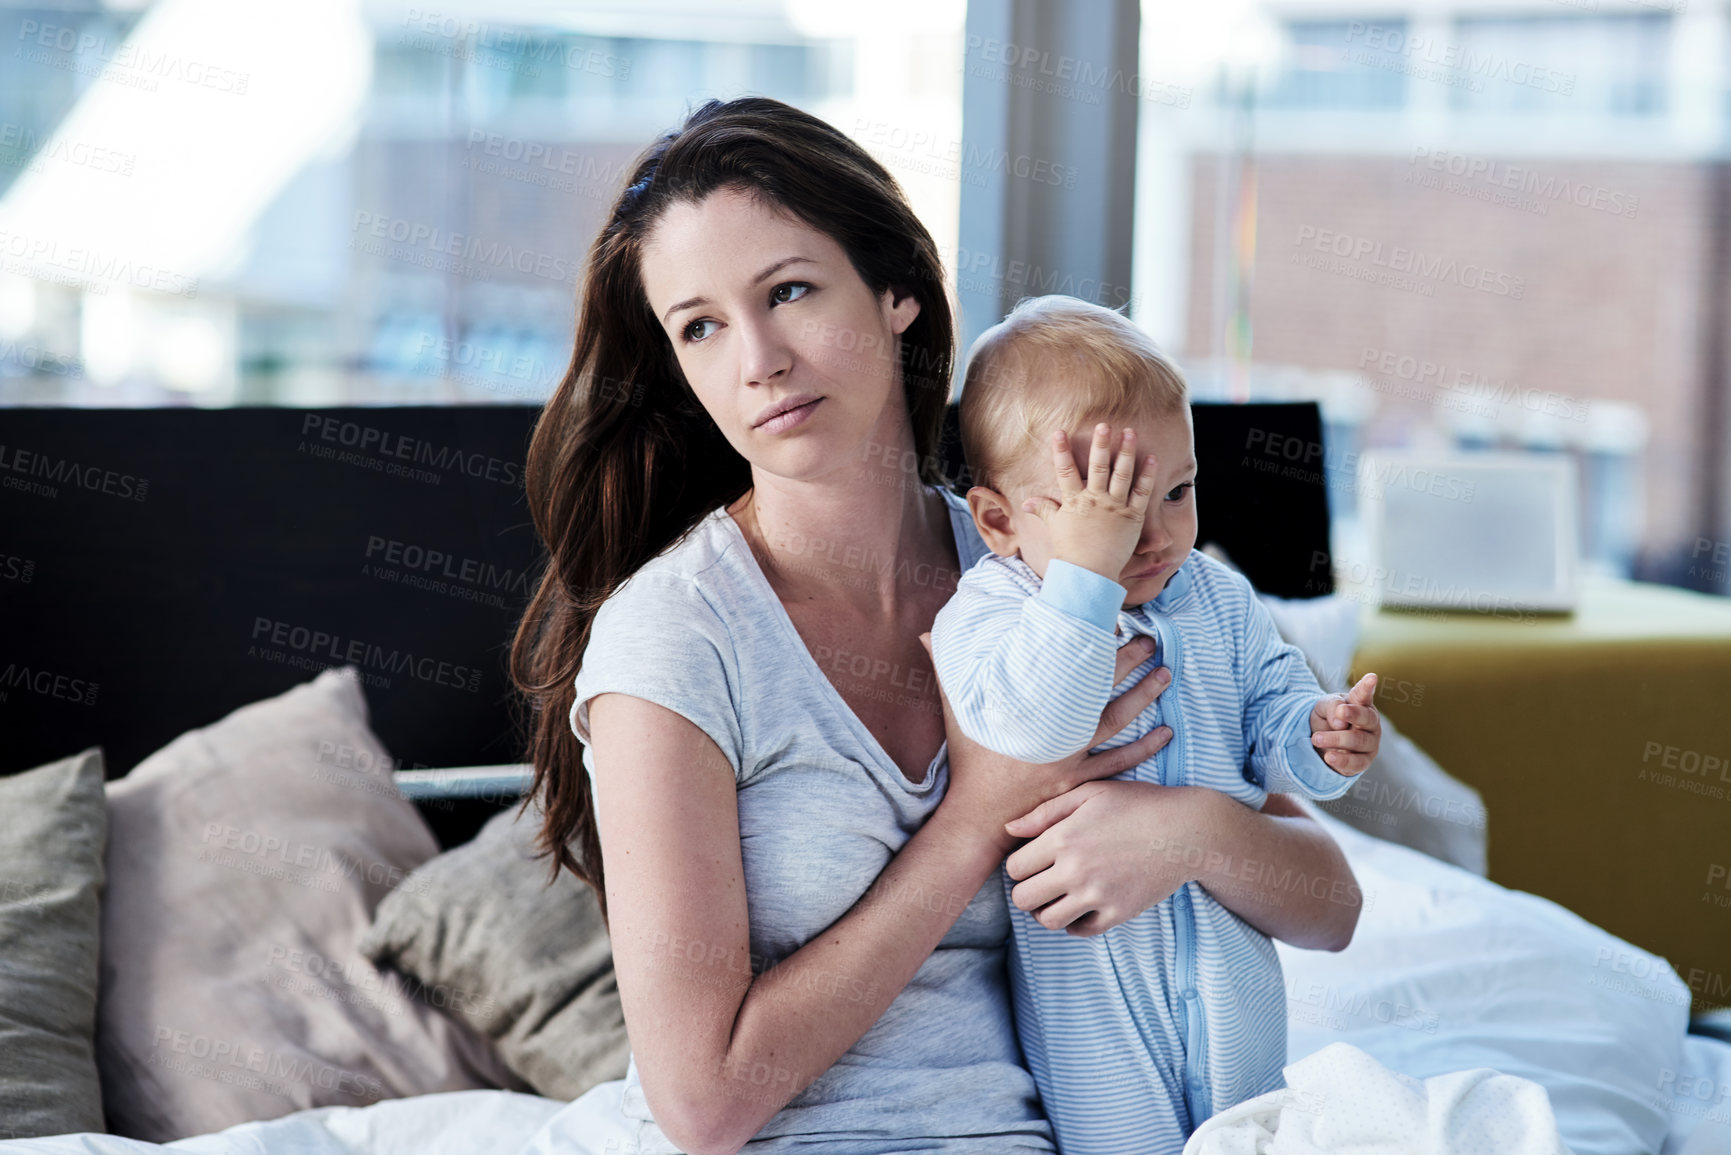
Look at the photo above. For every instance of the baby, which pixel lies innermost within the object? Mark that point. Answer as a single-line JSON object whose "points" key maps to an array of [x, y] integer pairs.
{"points": [[1137, 1035]]}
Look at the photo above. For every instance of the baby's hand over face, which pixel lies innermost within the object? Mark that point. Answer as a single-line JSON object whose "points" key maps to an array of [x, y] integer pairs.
{"points": [[1097, 520]]}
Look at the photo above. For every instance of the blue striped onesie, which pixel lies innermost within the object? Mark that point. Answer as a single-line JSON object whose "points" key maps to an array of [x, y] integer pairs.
{"points": [[1137, 1035]]}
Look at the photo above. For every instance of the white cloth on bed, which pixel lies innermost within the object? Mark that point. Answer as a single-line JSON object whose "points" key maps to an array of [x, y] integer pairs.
{"points": [[1448, 972], [1340, 1100], [451, 1123]]}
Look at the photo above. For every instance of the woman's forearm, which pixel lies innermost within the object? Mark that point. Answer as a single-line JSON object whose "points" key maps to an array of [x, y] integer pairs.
{"points": [[720, 1046], [801, 1015], [1276, 869]]}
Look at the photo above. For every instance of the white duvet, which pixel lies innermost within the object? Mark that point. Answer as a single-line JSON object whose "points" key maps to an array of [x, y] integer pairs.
{"points": [[1472, 1014], [1342, 1100]]}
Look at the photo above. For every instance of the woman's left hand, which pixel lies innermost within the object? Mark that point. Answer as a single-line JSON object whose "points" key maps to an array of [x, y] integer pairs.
{"points": [[1106, 851], [1094, 860]]}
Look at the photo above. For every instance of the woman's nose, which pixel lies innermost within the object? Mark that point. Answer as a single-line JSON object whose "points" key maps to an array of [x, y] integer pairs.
{"points": [[763, 352]]}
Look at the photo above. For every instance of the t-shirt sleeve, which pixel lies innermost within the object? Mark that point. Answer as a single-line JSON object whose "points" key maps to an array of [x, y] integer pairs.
{"points": [[658, 638]]}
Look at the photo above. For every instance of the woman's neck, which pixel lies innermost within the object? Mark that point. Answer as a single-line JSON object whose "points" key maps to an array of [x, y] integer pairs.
{"points": [[850, 540]]}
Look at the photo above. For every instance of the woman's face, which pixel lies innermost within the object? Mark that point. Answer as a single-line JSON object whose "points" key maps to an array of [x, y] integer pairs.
{"points": [[765, 312]]}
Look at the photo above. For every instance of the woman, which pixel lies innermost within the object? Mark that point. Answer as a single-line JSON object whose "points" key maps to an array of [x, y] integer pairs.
{"points": [[807, 933]]}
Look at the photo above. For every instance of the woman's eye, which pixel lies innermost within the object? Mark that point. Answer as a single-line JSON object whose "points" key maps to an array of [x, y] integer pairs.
{"points": [[781, 293], [1178, 493], [695, 331]]}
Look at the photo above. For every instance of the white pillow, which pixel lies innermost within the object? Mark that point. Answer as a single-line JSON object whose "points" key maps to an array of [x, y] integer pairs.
{"points": [[1448, 971], [1404, 796]]}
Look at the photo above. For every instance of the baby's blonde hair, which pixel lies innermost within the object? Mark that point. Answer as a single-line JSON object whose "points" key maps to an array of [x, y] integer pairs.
{"points": [[1052, 361]]}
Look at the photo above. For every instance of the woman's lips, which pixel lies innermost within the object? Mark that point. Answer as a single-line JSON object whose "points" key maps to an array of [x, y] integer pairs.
{"points": [[789, 418]]}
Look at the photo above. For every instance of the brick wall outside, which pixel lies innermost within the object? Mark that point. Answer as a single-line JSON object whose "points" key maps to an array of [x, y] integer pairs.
{"points": [[1611, 305]]}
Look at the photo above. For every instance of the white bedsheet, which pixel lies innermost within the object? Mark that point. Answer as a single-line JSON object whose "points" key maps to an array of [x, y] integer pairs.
{"points": [[1448, 973], [1340, 1101]]}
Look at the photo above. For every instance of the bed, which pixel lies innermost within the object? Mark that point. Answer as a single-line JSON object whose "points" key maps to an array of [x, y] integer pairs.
{"points": [[262, 653]]}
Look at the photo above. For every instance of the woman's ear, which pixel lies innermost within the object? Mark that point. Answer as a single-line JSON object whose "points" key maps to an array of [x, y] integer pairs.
{"points": [[899, 311], [991, 511]]}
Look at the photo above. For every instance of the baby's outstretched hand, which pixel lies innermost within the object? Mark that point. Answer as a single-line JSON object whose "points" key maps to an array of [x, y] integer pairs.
{"points": [[1346, 729], [1096, 523]]}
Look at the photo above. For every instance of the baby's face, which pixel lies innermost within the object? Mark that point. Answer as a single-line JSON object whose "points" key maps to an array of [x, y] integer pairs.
{"points": [[1169, 529]]}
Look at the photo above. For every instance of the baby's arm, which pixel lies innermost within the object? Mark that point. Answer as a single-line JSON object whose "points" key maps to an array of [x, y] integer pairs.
{"points": [[1027, 676], [1280, 696]]}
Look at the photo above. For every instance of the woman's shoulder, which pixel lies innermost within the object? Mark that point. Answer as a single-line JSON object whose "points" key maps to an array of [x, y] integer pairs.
{"points": [[662, 636], [695, 573]]}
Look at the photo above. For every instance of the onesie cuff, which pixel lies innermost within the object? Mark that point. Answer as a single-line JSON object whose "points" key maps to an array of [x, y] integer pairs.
{"points": [[1321, 781], [1082, 593]]}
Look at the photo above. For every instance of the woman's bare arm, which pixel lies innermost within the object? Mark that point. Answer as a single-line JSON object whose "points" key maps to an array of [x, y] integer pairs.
{"points": [[720, 1050], [1101, 854], [1280, 872]]}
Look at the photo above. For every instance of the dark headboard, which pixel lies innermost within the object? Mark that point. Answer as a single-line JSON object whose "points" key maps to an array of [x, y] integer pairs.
{"points": [[184, 562], [161, 567]]}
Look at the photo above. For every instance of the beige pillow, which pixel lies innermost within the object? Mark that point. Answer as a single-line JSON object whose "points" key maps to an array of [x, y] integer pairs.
{"points": [[527, 963], [245, 860], [52, 825]]}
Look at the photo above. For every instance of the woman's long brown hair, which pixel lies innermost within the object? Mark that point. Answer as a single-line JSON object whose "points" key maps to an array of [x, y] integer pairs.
{"points": [[624, 460]]}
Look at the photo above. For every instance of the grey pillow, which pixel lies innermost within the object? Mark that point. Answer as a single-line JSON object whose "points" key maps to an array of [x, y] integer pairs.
{"points": [[526, 963], [245, 860], [52, 827]]}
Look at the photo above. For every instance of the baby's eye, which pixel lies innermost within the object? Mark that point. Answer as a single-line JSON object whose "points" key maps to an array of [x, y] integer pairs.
{"points": [[778, 294], [1179, 492], [693, 331]]}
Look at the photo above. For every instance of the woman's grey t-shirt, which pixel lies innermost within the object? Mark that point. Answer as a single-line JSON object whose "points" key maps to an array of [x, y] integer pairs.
{"points": [[822, 810]]}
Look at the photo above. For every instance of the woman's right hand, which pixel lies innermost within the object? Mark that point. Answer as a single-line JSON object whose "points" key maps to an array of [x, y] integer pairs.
{"points": [[988, 789]]}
